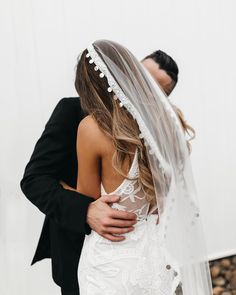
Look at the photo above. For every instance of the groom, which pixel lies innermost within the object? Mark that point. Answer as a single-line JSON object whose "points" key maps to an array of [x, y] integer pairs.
{"points": [[69, 214]]}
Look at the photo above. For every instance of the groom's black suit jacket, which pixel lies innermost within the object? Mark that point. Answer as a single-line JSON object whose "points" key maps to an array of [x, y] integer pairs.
{"points": [[54, 159]]}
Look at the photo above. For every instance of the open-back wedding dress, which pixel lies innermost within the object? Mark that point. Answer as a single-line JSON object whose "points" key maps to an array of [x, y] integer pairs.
{"points": [[135, 266]]}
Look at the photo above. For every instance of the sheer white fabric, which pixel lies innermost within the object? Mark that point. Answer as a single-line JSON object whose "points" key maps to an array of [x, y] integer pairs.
{"points": [[132, 196], [135, 266]]}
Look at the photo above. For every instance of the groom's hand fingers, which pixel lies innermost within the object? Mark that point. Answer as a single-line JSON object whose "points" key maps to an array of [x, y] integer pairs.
{"points": [[107, 221], [118, 214], [110, 198], [113, 238], [118, 230], [109, 233], [120, 223]]}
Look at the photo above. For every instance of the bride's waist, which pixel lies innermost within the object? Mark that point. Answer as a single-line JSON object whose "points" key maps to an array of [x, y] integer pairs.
{"points": [[142, 209], [144, 226]]}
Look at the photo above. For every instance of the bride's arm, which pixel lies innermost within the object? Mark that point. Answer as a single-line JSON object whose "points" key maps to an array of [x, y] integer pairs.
{"points": [[88, 154], [88, 148]]}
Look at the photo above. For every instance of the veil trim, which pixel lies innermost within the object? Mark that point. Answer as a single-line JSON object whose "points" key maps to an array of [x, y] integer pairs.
{"points": [[145, 133], [124, 101]]}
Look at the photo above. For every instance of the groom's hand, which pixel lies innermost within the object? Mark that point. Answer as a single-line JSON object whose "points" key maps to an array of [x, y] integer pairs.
{"points": [[107, 221]]}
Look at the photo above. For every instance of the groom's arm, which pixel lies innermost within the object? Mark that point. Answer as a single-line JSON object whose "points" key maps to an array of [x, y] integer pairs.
{"points": [[40, 182]]}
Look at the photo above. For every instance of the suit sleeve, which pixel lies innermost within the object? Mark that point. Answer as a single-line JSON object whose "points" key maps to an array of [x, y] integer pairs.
{"points": [[40, 182]]}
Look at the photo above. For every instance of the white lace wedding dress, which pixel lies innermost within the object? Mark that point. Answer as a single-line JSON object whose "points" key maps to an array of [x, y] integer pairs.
{"points": [[135, 266]]}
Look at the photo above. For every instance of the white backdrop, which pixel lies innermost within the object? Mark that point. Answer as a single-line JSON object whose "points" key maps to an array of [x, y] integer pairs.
{"points": [[40, 41]]}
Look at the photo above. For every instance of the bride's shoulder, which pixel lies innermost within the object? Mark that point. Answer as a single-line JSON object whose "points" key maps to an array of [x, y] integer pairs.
{"points": [[91, 139], [89, 130], [89, 124]]}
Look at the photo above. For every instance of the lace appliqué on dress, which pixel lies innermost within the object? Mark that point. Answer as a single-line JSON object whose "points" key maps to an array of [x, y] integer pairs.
{"points": [[132, 197], [134, 266]]}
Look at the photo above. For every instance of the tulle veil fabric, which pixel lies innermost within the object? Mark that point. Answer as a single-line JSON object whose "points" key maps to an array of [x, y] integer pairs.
{"points": [[179, 229]]}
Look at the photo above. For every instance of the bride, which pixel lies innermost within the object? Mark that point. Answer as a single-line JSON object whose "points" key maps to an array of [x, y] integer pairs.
{"points": [[131, 143]]}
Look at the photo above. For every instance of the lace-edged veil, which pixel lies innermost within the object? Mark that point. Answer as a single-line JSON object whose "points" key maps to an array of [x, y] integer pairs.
{"points": [[179, 228]]}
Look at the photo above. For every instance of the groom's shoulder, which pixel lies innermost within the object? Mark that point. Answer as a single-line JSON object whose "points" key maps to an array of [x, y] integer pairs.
{"points": [[69, 105], [66, 110], [70, 101]]}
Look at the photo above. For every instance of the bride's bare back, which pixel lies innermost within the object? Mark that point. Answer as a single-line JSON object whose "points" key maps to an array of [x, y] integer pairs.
{"points": [[95, 145]]}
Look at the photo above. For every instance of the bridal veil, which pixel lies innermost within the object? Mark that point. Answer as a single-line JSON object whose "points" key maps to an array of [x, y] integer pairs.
{"points": [[179, 228]]}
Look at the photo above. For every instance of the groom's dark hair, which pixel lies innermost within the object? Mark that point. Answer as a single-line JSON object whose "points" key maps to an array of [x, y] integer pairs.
{"points": [[167, 64]]}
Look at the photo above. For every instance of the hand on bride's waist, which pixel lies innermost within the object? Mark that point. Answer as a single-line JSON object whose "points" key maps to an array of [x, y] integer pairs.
{"points": [[107, 221]]}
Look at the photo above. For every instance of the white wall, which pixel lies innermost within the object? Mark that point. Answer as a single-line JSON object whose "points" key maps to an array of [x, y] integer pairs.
{"points": [[40, 41]]}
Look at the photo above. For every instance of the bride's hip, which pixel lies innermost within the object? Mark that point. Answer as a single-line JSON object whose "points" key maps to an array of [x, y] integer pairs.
{"points": [[144, 230], [141, 242]]}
